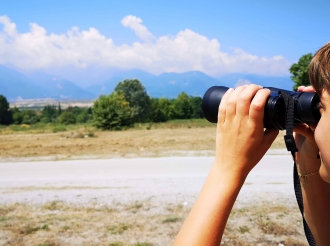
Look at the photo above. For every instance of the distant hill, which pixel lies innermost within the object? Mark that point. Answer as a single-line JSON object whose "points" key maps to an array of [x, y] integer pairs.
{"points": [[164, 85], [171, 84], [58, 88], [193, 83], [39, 84], [109, 85], [271, 81], [15, 85]]}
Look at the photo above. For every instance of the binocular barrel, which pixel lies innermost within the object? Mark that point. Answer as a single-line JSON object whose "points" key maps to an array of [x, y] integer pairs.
{"points": [[305, 106]]}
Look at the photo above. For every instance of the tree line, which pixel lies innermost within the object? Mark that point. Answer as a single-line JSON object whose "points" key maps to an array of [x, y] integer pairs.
{"points": [[128, 104]]}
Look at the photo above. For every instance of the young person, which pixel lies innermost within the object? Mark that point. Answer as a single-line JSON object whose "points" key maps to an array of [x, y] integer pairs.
{"points": [[241, 142]]}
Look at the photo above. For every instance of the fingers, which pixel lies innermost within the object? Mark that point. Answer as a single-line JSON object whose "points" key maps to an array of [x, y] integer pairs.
{"points": [[223, 105], [232, 102], [245, 98], [256, 111], [306, 88], [244, 101]]}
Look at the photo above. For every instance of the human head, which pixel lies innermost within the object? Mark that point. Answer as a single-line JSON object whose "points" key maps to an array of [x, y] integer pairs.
{"points": [[319, 75], [319, 69]]}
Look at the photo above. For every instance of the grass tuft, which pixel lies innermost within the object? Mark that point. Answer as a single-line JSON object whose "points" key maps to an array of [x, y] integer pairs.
{"points": [[171, 220], [243, 229], [119, 229], [116, 244], [143, 244], [54, 205]]}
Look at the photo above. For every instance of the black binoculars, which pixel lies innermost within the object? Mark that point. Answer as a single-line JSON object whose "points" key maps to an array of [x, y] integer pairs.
{"points": [[305, 107]]}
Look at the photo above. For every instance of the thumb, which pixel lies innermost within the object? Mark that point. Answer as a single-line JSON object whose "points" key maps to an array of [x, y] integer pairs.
{"points": [[305, 131]]}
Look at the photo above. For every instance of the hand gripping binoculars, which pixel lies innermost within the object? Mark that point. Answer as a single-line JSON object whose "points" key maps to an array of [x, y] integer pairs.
{"points": [[305, 107]]}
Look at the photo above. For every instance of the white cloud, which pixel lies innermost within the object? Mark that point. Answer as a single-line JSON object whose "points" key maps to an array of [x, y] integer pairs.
{"points": [[140, 30], [185, 51]]}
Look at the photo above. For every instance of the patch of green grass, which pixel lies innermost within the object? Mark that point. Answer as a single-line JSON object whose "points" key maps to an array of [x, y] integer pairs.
{"points": [[65, 228], [172, 124], [243, 229], [171, 220], [54, 205], [29, 230], [59, 128], [143, 244], [42, 127], [116, 244], [19, 128], [119, 229], [135, 206], [276, 229]]}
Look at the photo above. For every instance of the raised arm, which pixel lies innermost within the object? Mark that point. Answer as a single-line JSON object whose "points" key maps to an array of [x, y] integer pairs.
{"points": [[240, 144]]}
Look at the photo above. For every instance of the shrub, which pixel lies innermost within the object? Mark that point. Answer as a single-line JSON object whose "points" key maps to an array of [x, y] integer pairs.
{"points": [[67, 118], [112, 112]]}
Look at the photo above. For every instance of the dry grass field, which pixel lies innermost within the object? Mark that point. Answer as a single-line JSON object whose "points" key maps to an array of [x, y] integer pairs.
{"points": [[141, 223], [187, 138]]}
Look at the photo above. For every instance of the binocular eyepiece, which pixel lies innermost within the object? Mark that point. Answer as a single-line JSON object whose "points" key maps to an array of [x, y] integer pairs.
{"points": [[305, 107]]}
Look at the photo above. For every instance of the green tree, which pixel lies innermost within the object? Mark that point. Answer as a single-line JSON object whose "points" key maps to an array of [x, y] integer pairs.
{"points": [[29, 117], [49, 114], [67, 118], [6, 117], [17, 116], [299, 71], [182, 106], [139, 100], [59, 109], [167, 107], [196, 104], [112, 112], [84, 116], [157, 114]]}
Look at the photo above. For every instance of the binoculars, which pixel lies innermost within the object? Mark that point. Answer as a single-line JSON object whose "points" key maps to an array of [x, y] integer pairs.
{"points": [[305, 107]]}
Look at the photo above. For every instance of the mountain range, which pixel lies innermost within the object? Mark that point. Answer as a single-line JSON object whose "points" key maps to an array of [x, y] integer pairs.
{"points": [[15, 85]]}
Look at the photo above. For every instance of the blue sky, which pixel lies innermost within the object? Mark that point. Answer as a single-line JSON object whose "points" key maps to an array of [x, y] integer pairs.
{"points": [[259, 37]]}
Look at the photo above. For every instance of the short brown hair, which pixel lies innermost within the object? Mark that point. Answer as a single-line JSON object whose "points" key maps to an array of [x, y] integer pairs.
{"points": [[319, 69]]}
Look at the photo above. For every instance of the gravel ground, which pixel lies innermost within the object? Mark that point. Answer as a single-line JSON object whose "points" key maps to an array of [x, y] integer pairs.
{"points": [[171, 179]]}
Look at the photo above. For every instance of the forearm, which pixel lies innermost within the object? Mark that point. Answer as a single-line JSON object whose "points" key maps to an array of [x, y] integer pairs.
{"points": [[316, 199], [207, 219]]}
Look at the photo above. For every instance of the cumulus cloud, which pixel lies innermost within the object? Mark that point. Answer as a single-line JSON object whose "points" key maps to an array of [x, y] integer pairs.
{"points": [[140, 30], [185, 51]]}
